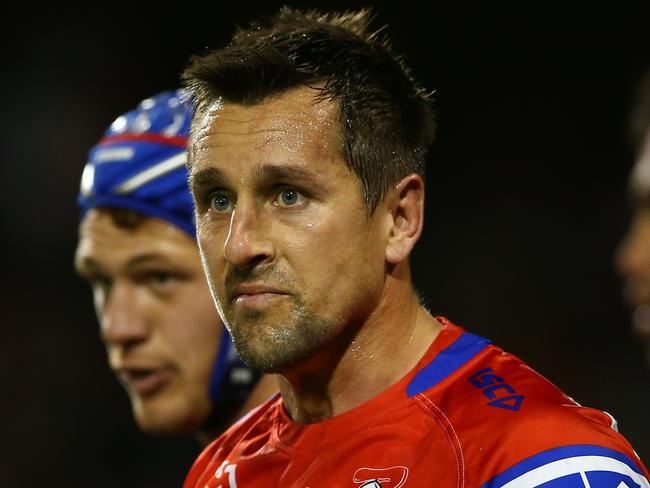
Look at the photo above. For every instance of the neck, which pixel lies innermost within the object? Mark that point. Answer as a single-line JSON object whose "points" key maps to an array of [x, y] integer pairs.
{"points": [[365, 360], [218, 421], [223, 417]]}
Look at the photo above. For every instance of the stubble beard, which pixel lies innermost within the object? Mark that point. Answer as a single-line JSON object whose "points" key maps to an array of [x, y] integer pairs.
{"points": [[271, 345]]}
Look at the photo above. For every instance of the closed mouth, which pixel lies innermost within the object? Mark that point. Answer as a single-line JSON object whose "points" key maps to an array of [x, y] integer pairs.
{"points": [[249, 300]]}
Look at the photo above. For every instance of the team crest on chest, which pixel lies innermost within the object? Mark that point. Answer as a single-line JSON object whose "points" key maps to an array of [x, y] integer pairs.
{"points": [[393, 477]]}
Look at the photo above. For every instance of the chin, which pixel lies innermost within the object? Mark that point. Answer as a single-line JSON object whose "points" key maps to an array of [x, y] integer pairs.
{"points": [[162, 416]]}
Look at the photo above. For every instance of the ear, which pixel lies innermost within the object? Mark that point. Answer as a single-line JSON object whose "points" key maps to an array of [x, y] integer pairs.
{"points": [[407, 218]]}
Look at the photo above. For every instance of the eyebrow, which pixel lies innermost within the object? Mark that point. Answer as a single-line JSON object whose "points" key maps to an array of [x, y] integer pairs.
{"points": [[87, 266], [205, 178], [211, 177], [145, 259]]}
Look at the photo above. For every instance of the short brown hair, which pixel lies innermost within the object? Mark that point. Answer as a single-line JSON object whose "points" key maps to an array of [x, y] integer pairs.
{"points": [[385, 116]]}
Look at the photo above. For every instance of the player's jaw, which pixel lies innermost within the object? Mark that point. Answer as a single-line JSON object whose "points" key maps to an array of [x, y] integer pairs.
{"points": [[271, 325]]}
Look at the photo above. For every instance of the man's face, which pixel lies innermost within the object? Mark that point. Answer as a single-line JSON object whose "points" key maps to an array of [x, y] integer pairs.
{"points": [[291, 255], [157, 317], [633, 257]]}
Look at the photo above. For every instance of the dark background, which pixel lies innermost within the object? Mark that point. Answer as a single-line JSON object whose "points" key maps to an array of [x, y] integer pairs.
{"points": [[526, 204]]}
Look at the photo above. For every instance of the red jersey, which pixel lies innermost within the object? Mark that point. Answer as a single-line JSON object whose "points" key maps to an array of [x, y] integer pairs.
{"points": [[468, 415]]}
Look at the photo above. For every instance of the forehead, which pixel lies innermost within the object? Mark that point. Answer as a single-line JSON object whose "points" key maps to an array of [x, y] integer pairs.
{"points": [[102, 240], [292, 124]]}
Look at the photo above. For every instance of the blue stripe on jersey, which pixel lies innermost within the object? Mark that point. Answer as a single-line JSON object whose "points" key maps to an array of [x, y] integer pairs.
{"points": [[446, 362], [569, 467]]}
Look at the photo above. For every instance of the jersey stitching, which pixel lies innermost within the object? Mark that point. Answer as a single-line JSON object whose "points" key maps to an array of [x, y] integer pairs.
{"points": [[448, 428]]}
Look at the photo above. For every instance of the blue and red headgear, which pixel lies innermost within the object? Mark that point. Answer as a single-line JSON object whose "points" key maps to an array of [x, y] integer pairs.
{"points": [[139, 164]]}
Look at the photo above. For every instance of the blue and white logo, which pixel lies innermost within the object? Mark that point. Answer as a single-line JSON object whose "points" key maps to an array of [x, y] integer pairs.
{"points": [[580, 466]]}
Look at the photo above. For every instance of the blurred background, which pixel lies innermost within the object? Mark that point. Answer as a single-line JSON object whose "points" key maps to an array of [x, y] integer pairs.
{"points": [[526, 204]]}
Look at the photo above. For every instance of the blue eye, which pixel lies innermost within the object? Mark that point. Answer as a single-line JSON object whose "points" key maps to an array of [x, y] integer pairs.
{"points": [[220, 202], [289, 197]]}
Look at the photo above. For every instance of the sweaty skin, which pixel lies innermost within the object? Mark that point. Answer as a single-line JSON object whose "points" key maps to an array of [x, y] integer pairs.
{"points": [[310, 285]]}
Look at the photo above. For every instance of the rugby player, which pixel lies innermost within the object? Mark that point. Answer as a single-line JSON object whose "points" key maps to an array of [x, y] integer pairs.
{"points": [[137, 249], [306, 163]]}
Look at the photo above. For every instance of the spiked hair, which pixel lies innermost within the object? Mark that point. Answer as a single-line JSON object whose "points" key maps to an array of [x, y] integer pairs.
{"points": [[385, 116]]}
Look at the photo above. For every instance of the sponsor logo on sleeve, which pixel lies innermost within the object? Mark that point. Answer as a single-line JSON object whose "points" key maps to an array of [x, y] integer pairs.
{"points": [[495, 388]]}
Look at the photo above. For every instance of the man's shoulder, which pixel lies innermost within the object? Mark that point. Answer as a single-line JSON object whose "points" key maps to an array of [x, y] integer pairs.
{"points": [[470, 379], [508, 420], [513, 422], [508, 396]]}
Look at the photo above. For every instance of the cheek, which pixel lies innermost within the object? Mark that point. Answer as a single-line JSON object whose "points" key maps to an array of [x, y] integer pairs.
{"points": [[211, 240], [194, 330], [339, 257]]}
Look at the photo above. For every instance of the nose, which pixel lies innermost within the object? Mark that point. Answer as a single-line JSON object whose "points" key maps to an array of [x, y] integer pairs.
{"points": [[122, 316], [633, 254], [249, 237]]}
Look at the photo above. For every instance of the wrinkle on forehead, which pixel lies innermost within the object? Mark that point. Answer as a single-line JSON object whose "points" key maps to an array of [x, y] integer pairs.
{"points": [[292, 119]]}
